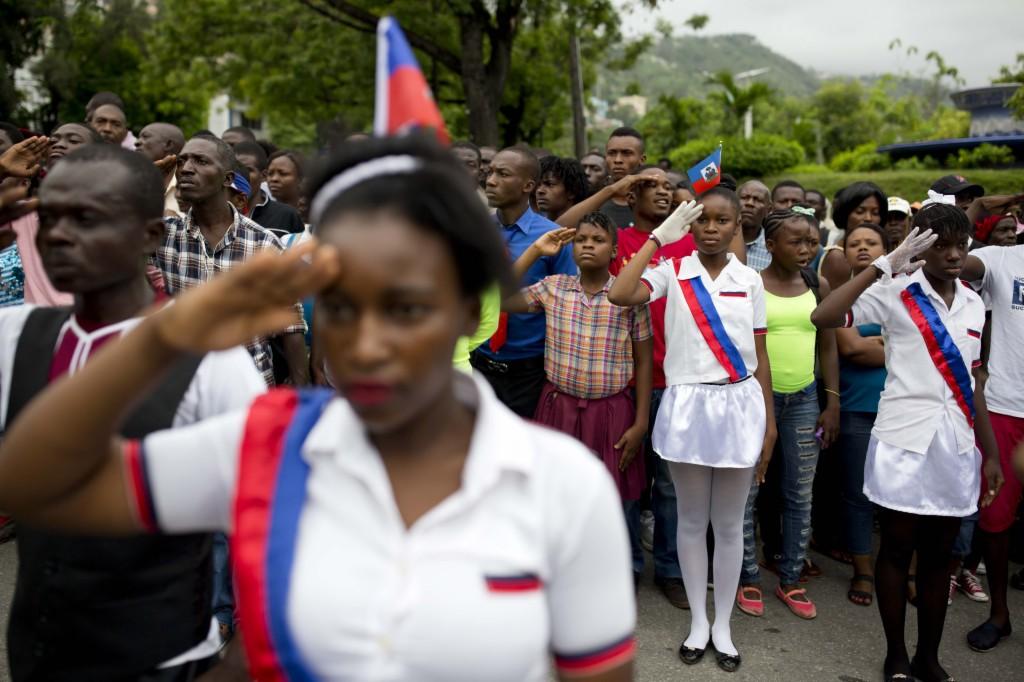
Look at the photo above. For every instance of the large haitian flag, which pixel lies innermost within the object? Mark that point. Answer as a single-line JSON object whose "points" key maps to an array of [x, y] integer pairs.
{"points": [[403, 98]]}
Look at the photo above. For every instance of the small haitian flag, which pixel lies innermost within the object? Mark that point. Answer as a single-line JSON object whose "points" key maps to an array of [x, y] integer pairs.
{"points": [[707, 173], [403, 99]]}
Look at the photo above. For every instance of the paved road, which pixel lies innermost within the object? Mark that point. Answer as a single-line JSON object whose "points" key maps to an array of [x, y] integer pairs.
{"points": [[844, 643]]}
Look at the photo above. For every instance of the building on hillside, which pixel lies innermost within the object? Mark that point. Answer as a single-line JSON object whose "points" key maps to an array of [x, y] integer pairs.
{"points": [[992, 122]]}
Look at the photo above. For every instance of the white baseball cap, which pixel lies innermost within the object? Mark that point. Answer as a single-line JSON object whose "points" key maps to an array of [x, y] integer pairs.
{"points": [[899, 205]]}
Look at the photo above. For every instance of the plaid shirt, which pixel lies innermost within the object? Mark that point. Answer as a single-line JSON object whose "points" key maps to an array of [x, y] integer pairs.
{"points": [[186, 260], [587, 349], [758, 257]]}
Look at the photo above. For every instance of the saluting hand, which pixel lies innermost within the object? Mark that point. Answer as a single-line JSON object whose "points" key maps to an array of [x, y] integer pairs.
{"points": [[902, 259], [167, 163], [677, 225], [255, 299], [24, 159], [550, 243]]}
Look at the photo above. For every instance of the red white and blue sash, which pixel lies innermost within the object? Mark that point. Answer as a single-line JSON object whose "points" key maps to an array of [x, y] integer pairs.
{"points": [[271, 492], [941, 347], [704, 312]]}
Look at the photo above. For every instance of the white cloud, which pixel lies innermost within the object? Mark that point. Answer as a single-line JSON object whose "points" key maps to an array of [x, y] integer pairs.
{"points": [[851, 37]]}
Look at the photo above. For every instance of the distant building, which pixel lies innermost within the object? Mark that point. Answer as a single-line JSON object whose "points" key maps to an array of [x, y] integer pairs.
{"points": [[224, 113], [992, 122]]}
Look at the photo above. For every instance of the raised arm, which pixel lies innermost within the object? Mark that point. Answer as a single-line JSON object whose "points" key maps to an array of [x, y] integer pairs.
{"points": [[831, 312], [548, 244], [626, 289], [573, 216], [72, 477]]}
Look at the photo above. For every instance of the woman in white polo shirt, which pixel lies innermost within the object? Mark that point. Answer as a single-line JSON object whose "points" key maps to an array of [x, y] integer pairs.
{"points": [[411, 529]]}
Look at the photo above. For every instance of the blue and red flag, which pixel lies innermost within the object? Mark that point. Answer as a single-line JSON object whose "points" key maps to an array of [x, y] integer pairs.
{"points": [[403, 99], [707, 173]]}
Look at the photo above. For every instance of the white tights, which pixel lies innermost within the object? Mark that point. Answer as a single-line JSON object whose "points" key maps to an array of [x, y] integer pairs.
{"points": [[717, 495]]}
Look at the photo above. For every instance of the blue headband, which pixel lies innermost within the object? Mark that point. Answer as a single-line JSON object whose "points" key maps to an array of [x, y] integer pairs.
{"points": [[241, 185]]}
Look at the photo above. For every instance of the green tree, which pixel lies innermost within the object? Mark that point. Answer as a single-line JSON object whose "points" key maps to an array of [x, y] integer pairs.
{"points": [[736, 99], [697, 22], [496, 69], [21, 36], [1014, 74]]}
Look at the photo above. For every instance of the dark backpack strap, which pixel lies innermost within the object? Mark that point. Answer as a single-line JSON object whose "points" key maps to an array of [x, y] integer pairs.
{"points": [[157, 411], [812, 281], [33, 357]]}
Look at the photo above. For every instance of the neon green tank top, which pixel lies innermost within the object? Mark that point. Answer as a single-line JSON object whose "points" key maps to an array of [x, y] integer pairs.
{"points": [[790, 341]]}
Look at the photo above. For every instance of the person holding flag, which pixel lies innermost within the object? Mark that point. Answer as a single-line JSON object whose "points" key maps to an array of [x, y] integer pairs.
{"points": [[716, 420], [922, 466]]}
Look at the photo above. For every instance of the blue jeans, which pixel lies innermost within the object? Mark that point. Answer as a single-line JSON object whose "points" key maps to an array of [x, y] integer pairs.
{"points": [[631, 510], [663, 504], [796, 417], [223, 593], [858, 512], [962, 546]]}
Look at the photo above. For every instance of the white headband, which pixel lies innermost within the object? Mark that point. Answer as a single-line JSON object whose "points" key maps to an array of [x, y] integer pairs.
{"points": [[385, 165], [936, 198]]}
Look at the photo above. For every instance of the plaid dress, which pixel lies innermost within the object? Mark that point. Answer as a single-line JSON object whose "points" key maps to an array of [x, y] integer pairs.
{"points": [[186, 260]]}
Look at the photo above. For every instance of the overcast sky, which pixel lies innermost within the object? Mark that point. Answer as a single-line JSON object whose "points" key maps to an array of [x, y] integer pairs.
{"points": [[852, 37]]}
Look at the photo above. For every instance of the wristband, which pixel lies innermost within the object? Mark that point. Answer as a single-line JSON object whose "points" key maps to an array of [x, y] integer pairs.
{"points": [[656, 241], [835, 393]]}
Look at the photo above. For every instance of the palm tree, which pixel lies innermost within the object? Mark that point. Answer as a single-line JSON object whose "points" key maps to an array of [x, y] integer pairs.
{"points": [[736, 99]]}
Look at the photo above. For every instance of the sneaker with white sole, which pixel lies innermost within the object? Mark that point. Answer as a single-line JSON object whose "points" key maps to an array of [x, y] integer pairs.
{"points": [[981, 568], [952, 589], [971, 587]]}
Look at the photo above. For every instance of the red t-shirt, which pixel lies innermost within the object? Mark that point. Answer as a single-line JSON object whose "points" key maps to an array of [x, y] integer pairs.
{"points": [[630, 241]]}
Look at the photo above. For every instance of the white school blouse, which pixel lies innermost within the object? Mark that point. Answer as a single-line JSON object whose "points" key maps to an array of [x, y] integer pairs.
{"points": [[738, 294], [371, 599], [916, 398]]}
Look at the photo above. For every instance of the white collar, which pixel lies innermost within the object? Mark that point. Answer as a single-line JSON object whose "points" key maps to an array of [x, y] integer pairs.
{"points": [[959, 292], [691, 267]]}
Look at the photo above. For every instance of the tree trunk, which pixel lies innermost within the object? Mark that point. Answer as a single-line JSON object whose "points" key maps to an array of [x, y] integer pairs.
{"points": [[579, 123], [483, 111]]}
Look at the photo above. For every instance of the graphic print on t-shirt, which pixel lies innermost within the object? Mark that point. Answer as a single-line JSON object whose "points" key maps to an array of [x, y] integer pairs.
{"points": [[1017, 299]]}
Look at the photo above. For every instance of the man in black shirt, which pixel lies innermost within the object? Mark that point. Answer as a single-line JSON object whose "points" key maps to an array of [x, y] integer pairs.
{"points": [[279, 218]]}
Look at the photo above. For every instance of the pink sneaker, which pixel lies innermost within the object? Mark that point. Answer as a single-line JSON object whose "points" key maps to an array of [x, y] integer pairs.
{"points": [[752, 605], [952, 589], [971, 586], [798, 602]]}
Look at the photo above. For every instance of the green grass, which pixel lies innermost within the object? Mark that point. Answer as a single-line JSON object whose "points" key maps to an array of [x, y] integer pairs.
{"points": [[912, 185]]}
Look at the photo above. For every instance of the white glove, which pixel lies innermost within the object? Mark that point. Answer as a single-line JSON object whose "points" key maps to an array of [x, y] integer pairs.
{"points": [[677, 225], [901, 259]]}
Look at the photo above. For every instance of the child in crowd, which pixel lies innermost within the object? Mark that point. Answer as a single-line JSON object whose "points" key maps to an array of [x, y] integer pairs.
{"points": [[861, 380], [714, 424], [592, 349], [922, 466], [792, 291]]}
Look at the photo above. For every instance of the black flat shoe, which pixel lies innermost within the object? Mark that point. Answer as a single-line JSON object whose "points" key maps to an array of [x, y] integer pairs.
{"points": [[690, 656], [917, 673], [898, 677], [986, 636], [727, 662]]}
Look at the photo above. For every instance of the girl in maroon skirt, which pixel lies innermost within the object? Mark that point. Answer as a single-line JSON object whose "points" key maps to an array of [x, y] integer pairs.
{"points": [[592, 350]]}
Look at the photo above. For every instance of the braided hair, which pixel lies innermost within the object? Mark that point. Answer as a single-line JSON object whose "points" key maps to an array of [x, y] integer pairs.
{"points": [[598, 219]]}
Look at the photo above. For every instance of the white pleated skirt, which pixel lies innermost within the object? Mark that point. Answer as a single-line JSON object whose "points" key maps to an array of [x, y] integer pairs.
{"points": [[941, 482], [711, 425]]}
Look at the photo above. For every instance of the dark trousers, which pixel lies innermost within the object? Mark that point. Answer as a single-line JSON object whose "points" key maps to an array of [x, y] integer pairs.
{"points": [[517, 383]]}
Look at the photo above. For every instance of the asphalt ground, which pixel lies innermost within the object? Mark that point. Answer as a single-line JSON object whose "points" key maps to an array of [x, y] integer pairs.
{"points": [[843, 643]]}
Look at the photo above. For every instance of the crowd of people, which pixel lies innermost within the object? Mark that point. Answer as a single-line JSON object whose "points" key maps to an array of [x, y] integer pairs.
{"points": [[503, 379]]}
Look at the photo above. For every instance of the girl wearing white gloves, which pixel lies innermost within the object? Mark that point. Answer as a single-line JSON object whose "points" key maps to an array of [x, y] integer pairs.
{"points": [[715, 425]]}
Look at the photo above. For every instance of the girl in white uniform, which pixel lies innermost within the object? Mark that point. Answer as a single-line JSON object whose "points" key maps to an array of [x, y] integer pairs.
{"points": [[922, 466], [411, 528], [716, 421]]}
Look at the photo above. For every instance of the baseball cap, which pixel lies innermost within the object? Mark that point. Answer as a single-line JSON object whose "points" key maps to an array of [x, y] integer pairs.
{"points": [[899, 205], [954, 184]]}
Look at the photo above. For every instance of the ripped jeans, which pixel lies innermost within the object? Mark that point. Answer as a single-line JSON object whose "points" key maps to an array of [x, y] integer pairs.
{"points": [[796, 418]]}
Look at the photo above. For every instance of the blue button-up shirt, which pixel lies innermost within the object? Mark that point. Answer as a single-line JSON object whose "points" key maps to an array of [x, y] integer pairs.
{"points": [[526, 332]]}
